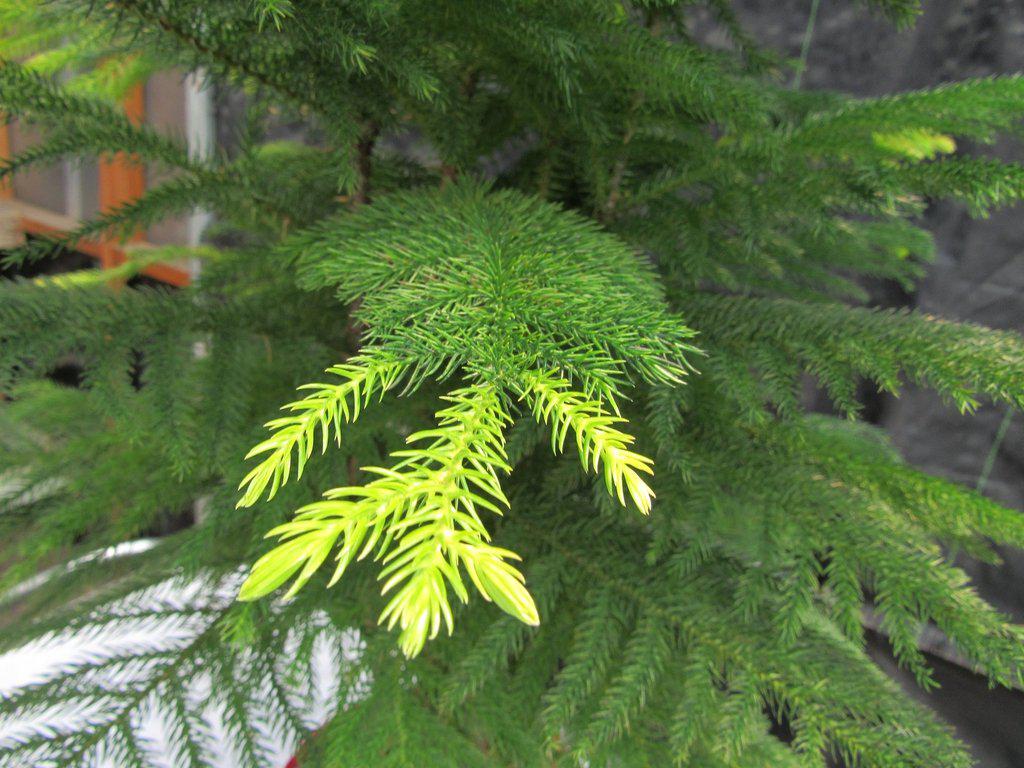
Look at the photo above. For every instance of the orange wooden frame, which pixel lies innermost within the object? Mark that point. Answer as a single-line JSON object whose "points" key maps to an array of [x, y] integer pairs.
{"points": [[107, 253], [6, 190], [121, 179]]}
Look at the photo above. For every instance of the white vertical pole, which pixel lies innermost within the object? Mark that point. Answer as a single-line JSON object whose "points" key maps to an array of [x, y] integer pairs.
{"points": [[200, 135], [73, 206], [73, 189], [201, 140]]}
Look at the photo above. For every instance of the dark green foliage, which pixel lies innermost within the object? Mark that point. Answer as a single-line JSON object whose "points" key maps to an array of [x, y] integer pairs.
{"points": [[561, 228]]}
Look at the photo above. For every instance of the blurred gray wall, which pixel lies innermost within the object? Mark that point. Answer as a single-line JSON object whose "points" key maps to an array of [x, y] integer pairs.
{"points": [[978, 276]]}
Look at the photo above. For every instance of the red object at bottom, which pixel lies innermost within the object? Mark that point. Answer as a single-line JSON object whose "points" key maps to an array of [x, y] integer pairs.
{"points": [[294, 762]]}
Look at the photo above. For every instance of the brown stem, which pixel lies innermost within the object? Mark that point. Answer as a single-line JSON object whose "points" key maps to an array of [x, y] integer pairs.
{"points": [[546, 169], [653, 24], [618, 173], [364, 162], [450, 171], [361, 196]]}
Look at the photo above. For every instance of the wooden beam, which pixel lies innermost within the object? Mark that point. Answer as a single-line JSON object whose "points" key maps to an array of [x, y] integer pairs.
{"points": [[39, 221], [122, 178]]}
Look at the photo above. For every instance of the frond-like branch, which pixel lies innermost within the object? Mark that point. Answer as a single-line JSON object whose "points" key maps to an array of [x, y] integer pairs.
{"points": [[601, 446], [326, 409], [498, 282], [147, 656], [84, 124], [422, 517]]}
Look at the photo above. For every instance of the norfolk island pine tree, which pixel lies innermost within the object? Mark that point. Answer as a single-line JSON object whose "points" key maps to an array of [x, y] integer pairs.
{"points": [[557, 485]]}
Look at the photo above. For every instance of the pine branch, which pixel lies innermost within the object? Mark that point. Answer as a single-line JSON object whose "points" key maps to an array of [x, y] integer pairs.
{"points": [[135, 658], [422, 518], [839, 343], [601, 446], [327, 408], [85, 124], [149, 14]]}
